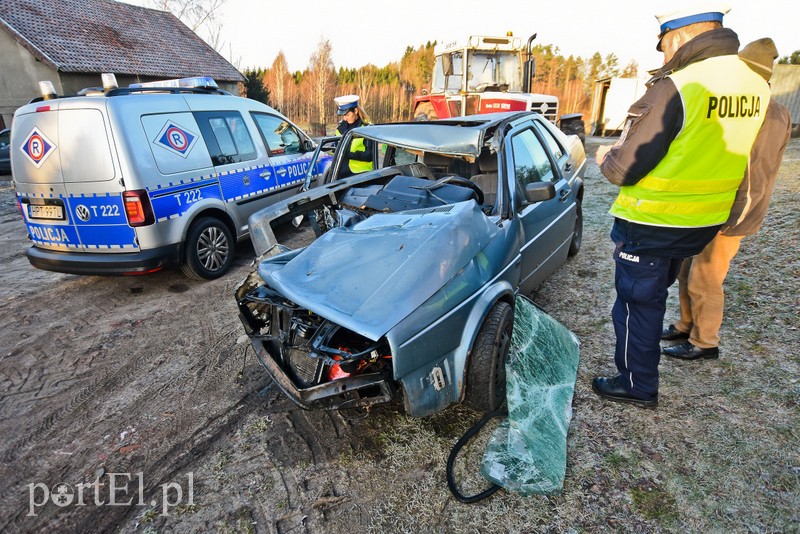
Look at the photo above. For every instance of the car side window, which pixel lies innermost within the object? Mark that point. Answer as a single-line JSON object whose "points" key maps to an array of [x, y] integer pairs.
{"points": [[547, 135], [226, 136], [280, 136], [531, 163], [5, 138]]}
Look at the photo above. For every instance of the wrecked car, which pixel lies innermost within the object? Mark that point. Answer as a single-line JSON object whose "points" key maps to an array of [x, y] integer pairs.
{"points": [[408, 290]]}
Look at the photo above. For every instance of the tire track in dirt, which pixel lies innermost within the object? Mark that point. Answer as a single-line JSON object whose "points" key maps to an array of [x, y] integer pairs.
{"points": [[166, 449]]}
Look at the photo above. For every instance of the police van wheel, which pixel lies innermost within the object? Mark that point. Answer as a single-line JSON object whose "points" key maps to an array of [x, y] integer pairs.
{"points": [[209, 249], [486, 374]]}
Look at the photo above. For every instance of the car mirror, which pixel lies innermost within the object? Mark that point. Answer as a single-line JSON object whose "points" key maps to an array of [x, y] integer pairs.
{"points": [[540, 191]]}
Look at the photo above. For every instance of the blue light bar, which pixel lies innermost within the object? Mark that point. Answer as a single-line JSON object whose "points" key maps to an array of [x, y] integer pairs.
{"points": [[196, 81]]}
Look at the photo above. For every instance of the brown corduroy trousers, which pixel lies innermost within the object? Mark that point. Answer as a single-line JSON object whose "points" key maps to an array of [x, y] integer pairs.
{"points": [[700, 291]]}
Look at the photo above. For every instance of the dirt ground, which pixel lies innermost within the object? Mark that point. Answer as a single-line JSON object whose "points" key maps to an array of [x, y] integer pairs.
{"points": [[135, 405]]}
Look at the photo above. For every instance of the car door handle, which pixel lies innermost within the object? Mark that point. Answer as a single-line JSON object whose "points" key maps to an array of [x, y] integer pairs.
{"points": [[564, 194], [265, 173]]}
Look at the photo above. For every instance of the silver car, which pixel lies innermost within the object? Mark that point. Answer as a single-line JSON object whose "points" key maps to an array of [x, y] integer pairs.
{"points": [[408, 290], [5, 152]]}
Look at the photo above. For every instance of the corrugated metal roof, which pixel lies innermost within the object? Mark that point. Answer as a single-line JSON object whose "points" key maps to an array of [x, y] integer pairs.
{"points": [[785, 84], [94, 36]]}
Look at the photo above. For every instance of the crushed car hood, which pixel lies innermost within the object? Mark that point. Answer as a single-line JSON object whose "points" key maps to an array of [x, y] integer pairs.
{"points": [[370, 277]]}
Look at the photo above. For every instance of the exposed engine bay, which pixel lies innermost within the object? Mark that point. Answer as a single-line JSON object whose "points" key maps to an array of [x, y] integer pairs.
{"points": [[312, 351], [401, 193]]}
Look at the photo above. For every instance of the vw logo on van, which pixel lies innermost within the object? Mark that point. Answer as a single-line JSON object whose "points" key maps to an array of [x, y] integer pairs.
{"points": [[82, 212]]}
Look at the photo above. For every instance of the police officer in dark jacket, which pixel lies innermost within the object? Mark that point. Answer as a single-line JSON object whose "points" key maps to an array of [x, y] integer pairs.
{"points": [[679, 161]]}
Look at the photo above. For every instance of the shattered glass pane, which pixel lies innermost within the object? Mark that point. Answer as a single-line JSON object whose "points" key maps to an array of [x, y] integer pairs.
{"points": [[527, 453]]}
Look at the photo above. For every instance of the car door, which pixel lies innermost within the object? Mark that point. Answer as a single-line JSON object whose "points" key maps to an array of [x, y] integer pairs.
{"points": [[290, 152], [547, 225]]}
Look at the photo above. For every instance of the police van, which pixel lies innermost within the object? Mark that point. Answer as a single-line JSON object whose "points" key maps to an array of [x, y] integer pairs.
{"points": [[136, 179]]}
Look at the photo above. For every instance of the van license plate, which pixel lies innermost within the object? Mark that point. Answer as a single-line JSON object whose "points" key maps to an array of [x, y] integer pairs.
{"points": [[47, 211]]}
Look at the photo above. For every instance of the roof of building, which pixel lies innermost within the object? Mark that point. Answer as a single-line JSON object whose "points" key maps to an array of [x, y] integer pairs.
{"points": [[95, 36]]}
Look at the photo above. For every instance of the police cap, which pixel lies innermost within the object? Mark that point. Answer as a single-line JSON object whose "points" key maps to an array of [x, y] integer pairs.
{"points": [[678, 18], [346, 103]]}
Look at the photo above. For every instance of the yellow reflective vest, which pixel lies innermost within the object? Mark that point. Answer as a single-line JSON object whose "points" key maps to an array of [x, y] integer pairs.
{"points": [[695, 184], [357, 145]]}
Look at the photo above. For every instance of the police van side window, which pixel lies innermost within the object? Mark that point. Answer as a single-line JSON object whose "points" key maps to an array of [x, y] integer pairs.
{"points": [[226, 136], [278, 134]]}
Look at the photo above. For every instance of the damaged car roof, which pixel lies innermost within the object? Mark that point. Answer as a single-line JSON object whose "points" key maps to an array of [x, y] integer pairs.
{"points": [[437, 136]]}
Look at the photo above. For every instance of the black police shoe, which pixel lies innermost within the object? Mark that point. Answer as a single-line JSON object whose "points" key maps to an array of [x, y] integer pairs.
{"points": [[687, 351], [673, 334], [613, 389]]}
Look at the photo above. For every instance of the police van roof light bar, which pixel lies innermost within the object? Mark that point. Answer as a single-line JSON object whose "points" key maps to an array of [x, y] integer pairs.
{"points": [[200, 82]]}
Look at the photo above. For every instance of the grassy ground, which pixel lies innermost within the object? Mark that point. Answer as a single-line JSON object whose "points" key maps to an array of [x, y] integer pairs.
{"points": [[720, 454]]}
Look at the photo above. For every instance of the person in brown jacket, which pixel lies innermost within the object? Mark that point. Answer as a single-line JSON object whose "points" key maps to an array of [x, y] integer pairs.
{"points": [[701, 277]]}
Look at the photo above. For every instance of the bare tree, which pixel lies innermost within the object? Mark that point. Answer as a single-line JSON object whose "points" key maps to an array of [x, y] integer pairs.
{"points": [[321, 78], [201, 16], [279, 81]]}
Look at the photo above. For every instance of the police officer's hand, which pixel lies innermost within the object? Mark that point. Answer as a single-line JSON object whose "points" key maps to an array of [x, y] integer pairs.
{"points": [[602, 150]]}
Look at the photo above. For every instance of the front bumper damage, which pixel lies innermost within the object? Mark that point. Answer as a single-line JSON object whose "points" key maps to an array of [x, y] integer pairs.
{"points": [[315, 362]]}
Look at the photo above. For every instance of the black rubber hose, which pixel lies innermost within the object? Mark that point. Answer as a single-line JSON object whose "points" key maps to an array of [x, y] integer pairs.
{"points": [[451, 484]]}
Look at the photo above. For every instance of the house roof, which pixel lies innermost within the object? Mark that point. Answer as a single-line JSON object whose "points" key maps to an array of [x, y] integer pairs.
{"points": [[95, 36]]}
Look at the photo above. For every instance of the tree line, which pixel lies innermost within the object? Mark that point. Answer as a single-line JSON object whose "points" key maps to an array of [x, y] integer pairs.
{"points": [[387, 93]]}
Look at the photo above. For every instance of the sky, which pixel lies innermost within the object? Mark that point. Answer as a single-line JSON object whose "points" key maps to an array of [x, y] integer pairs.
{"points": [[378, 32]]}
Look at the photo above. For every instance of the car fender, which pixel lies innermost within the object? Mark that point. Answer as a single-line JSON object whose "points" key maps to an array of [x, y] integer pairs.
{"points": [[211, 208], [500, 290], [440, 382]]}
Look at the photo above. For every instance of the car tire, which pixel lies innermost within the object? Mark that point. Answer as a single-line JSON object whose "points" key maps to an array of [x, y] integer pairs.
{"points": [[486, 375], [209, 249], [577, 232]]}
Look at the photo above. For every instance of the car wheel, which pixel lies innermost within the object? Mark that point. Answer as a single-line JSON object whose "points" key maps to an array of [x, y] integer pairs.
{"points": [[209, 249], [577, 232], [486, 375]]}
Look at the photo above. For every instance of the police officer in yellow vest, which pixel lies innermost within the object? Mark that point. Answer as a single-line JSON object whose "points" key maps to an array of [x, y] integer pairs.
{"points": [[353, 116], [679, 162]]}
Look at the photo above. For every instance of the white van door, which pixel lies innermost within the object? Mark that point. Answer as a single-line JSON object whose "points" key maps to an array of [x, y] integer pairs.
{"points": [[290, 151], [68, 181], [246, 175]]}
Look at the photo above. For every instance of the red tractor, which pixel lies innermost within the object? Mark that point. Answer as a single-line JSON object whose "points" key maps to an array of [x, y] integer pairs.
{"points": [[484, 75]]}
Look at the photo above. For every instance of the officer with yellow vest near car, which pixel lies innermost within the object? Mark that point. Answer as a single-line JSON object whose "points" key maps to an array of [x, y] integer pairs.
{"points": [[679, 162], [353, 116]]}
